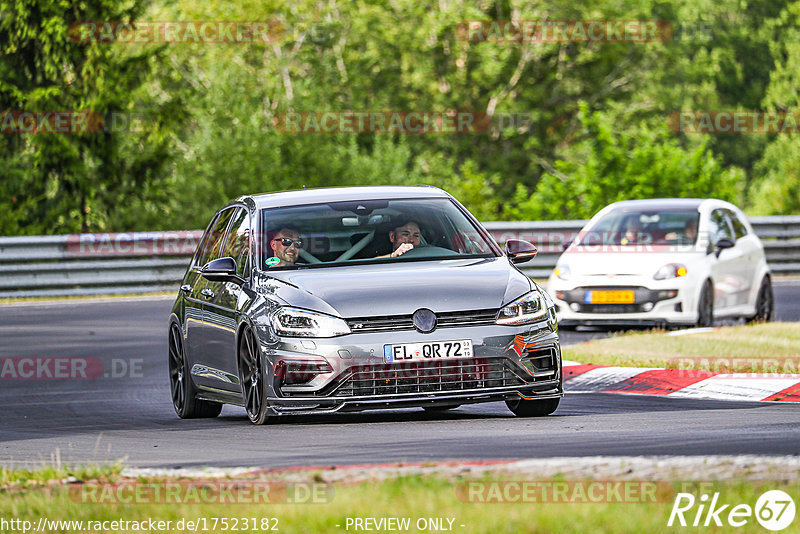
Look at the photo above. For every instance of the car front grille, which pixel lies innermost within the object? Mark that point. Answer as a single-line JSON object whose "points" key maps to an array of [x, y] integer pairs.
{"points": [[425, 377], [405, 322]]}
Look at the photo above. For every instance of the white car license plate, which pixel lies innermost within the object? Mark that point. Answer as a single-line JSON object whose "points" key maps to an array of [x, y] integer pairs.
{"points": [[432, 350]]}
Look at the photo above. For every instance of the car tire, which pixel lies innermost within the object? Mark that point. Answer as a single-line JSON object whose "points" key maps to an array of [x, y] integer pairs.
{"points": [[705, 305], [532, 408], [765, 303], [251, 376], [184, 394]]}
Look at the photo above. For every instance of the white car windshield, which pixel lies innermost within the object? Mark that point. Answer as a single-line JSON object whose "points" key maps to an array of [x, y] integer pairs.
{"points": [[365, 231], [626, 226]]}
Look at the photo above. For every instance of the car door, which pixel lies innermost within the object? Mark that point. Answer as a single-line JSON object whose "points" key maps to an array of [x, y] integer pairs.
{"points": [[221, 305], [749, 256], [202, 370], [193, 286], [725, 264]]}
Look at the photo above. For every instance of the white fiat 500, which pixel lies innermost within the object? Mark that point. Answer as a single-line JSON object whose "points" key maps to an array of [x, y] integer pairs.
{"points": [[663, 262]]}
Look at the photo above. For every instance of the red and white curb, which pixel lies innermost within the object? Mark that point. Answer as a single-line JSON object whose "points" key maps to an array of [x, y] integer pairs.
{"points": [[684, 383]]}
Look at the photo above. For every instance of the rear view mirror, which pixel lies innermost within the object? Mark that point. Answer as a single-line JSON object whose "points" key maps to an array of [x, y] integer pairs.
{"points": [[519, 251]]}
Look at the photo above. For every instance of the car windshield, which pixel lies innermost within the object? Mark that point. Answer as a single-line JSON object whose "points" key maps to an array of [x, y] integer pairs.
{"points": [[635, 226], [367, 231]]}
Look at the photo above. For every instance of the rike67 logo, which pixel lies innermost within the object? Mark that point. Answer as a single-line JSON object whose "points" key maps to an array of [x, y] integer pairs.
{"points": [[774, 510]]}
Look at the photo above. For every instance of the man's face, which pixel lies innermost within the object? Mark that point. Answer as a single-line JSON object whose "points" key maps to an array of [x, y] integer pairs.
{"points": [[409, 233], [287, 254]]}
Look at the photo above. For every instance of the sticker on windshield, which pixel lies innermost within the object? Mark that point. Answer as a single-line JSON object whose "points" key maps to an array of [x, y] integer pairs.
{"points": [[272, 261]]}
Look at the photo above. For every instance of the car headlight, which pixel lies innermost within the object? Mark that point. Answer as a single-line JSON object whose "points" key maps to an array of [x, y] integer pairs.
{"points": [[294, 322], [671, 270], [562, 271], [526, 309]]}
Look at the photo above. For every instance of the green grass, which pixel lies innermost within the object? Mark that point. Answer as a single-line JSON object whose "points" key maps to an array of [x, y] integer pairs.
{"points": [[413, 497], [758, 348], [14, 479]]}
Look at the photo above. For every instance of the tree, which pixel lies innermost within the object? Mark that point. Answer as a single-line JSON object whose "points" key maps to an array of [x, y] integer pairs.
{"points": [[608, 165], [77, 178]]}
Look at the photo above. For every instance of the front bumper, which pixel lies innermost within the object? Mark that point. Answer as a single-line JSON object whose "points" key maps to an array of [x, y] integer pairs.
{"points": [[662, 303], [507, 362]]}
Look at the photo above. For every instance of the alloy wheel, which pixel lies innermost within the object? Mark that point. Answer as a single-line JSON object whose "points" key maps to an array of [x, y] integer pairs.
{"points": [[177, 377], [251, 376]]}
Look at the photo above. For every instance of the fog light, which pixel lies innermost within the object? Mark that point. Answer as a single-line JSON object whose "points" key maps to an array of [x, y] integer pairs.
{"points": [[647, 306], [574, 306], [669, 294], [294, 372]]}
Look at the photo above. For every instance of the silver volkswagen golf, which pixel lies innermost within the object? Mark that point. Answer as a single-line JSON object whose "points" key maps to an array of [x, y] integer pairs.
{"points": [[347, 299]]}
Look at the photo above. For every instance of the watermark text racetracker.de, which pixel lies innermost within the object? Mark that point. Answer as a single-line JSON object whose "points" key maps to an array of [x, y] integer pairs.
{"points": [[565, 491], [737, 367], [194, 524], [249, 492], [200, 32], [560, 31], [69, 368], [74, 122], [734, 122], [177, 243], [398, 122]]}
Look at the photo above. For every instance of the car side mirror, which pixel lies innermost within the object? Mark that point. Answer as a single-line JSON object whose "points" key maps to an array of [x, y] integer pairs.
{"points": [[519, 251], [221, 270], [723, 244]]}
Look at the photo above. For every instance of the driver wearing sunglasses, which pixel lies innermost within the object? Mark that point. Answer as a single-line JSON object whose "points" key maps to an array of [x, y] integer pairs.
{"points": [[286, 245]]}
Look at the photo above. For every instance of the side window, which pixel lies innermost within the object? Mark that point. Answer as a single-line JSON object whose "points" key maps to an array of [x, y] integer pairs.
{"points": [[738, 226], [719, 228], [204, 247], [237, 244], [211, 246]]}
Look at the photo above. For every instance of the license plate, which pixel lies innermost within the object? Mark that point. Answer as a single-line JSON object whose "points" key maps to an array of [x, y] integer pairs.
{"points": [[609, 297], [432, 350]]}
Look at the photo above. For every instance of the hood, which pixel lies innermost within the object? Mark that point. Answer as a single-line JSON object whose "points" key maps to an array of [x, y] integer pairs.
{"points": [[622, 263], [404, 287]]}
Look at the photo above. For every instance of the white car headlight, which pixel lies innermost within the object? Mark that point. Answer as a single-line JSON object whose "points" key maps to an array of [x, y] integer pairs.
{"points": [[294, 322], [562, 271], [526, 309], [671, 270]]}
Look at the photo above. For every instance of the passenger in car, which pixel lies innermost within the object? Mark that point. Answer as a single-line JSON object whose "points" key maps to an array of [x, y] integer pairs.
{"points": [[403, 237], [286, 245], [632, 231], [688, 235]]}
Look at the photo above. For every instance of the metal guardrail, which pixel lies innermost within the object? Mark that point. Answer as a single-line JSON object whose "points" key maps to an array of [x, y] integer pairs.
{"points": [[141, 262]]}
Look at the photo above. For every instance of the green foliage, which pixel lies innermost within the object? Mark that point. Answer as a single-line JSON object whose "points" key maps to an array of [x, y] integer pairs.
{"points": [[210, 136], [777, 190], [79, 180], [609, 165], [776, 187]]}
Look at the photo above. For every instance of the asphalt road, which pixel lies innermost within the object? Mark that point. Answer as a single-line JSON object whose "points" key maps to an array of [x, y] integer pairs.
{"points": [[127, 414]]}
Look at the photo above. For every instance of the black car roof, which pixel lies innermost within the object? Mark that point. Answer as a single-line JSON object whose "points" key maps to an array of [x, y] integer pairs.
{"points": [[334, 194]]}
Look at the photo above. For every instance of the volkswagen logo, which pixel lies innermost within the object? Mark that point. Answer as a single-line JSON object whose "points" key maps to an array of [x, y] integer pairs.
{"points": [[424, 320]]}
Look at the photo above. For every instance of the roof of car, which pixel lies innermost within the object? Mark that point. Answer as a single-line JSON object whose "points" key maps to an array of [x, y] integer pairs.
{"points": [[334, 194], [661, 203]]}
